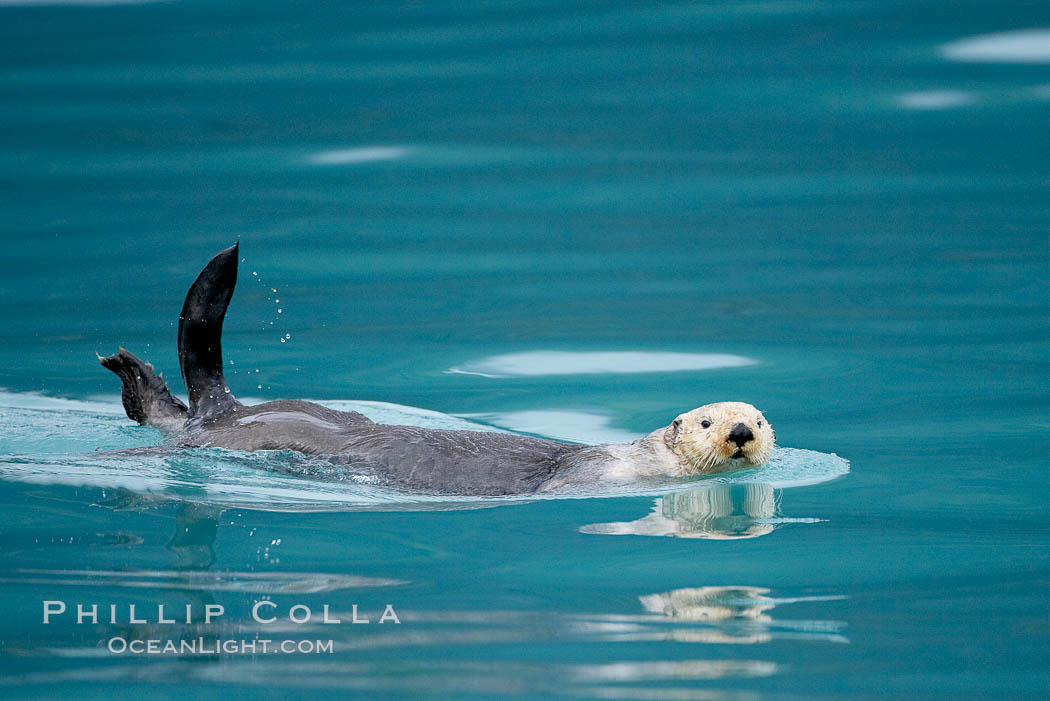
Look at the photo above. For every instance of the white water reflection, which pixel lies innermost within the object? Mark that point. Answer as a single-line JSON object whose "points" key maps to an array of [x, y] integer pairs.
{"points": [[935, 99], [564, 425], [364, 154], [1019, 46], [678, 669], [542, 363]]}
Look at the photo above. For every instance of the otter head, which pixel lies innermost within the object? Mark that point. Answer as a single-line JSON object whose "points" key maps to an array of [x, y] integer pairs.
{"points": [[720, 436]]}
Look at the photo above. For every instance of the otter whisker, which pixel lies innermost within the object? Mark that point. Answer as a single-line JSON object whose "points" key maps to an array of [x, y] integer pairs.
{"points": [[694, 466], [707, 462]]}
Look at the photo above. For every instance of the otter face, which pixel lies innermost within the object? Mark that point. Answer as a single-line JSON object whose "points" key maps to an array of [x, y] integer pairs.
{"points": [[721, 436]]}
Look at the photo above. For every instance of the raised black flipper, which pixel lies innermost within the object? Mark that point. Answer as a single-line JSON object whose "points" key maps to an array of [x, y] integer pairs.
{"points": [[200, 337], [145, 396]]}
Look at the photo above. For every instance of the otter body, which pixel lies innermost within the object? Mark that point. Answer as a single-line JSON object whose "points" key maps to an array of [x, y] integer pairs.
{"points": [[424, 459], [713, 438], [427, 459]]}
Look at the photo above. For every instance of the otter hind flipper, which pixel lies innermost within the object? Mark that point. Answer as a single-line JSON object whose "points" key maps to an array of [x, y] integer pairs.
{"points": [[200, 336], [145, 397]]}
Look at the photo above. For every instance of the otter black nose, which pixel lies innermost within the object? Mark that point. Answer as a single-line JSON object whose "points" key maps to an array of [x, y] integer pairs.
{"points": [[740, 435]]}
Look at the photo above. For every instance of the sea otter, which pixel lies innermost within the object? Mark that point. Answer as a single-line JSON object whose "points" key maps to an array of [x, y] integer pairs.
{"points": [[713, 438]]}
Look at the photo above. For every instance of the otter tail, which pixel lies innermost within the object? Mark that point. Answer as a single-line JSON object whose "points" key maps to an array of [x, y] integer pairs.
{"points": [[200, 336], [145, 396]]}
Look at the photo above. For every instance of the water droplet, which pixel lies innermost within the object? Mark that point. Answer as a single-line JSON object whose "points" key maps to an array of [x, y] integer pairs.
{"points": [[226, 389], [255, 273], [273, 289], [287, 335], [279, 311], [276, 301], [260, 386], [231, 362], [283, 340]]}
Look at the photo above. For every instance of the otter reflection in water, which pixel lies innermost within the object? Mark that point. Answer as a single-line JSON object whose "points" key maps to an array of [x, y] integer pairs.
{"points": [[711, 603], [715, 512], [736, 614]]}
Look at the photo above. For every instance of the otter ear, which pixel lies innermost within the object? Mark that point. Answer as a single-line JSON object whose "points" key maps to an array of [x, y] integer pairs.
{"points": [[671, 436]]}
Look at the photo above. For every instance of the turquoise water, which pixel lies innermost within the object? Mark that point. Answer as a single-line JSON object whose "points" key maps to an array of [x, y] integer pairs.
{"points": [[500, 215]]}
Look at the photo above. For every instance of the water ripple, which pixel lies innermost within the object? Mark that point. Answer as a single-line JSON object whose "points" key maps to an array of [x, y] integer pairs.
{"points": [[260, 582]]}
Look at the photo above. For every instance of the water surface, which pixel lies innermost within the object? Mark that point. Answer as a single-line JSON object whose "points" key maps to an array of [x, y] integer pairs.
{"points": [[507, 215]]}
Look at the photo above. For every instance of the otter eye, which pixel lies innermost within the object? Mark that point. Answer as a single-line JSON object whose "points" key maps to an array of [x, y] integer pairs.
{"points": [[760, 423], [705, 423]]}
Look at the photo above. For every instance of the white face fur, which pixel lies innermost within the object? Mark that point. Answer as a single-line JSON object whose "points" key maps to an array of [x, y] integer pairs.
{"points": [[720, 436]]}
